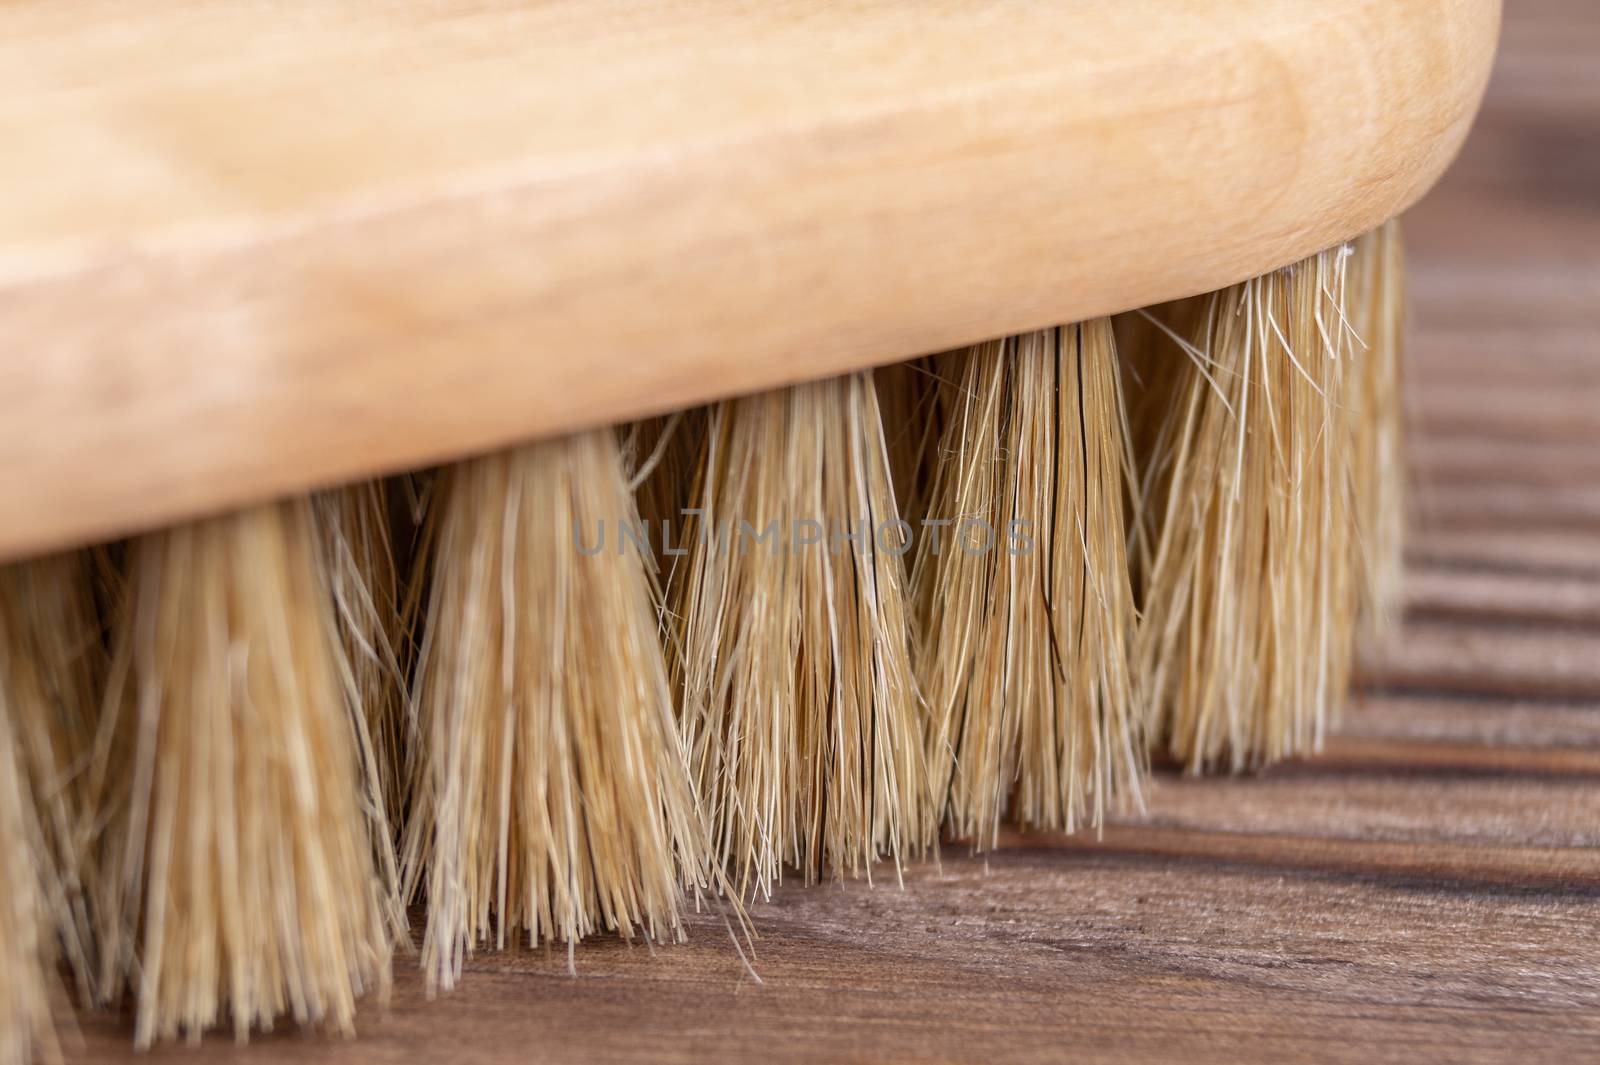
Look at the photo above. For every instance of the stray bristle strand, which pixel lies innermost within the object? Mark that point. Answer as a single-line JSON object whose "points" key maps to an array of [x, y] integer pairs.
{"points": [[1250, 592], [799, 704], [660, 455], [238, 881], [49, 661], [552, 794], [1377, 411], [354, 523], [1024, 581]]}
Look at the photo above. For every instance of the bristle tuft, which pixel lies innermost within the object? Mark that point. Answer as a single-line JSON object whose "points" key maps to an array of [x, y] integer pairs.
{"points": [[1377, 311], [238, 884], [49, 664], [1250, 593], [552, 794], [799, 704], [27, 939], [1022, 578]]}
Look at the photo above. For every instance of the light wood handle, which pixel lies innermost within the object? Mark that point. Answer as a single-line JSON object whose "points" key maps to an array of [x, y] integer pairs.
{"points": [[256, 246]]}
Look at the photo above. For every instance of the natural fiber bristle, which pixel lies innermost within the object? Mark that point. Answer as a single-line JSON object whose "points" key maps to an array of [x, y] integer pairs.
{"points": [[1250, 594], [1026, 596], [238, 882], [1168, 530], [662, 456], [551, 793], [799, 705], [354, 523], [49, 659], [27, 940], [1377, 310]]}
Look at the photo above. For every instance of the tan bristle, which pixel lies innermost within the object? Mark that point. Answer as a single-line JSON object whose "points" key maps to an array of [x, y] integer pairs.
{"points": [[354, 523], [27, 938], [1024, 660], [1250, 595], [205, 821], [1377, 309], [552, 794], [49, 661], [660, 455], [238, 883], [799, 704]]}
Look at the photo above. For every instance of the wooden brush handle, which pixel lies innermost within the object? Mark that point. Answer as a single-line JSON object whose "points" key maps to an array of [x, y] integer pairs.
{"points": [[256, 246]]}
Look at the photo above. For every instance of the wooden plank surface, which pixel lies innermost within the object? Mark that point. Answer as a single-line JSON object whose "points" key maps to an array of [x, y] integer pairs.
{"points": [[1426, 890]]}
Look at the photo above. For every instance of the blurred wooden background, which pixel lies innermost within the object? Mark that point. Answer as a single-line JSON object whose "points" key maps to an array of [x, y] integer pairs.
{"points": [[1427, 889]]}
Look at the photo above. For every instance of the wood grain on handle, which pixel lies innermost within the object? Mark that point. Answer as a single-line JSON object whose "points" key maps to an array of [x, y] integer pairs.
{"points": [[253, 247]]}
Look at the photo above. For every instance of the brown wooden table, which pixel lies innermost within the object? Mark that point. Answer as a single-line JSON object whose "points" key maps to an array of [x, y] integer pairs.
{"points": [[1427, 889]]}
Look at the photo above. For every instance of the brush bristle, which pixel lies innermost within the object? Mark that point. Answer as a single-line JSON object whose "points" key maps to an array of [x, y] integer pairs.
{"points": [[1024, 587], [582, 751], [1250, 594], [799, 703], [1377, 309], [551, 793], [49, 664], [27, 939], [239, 883], [360, 563]]}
